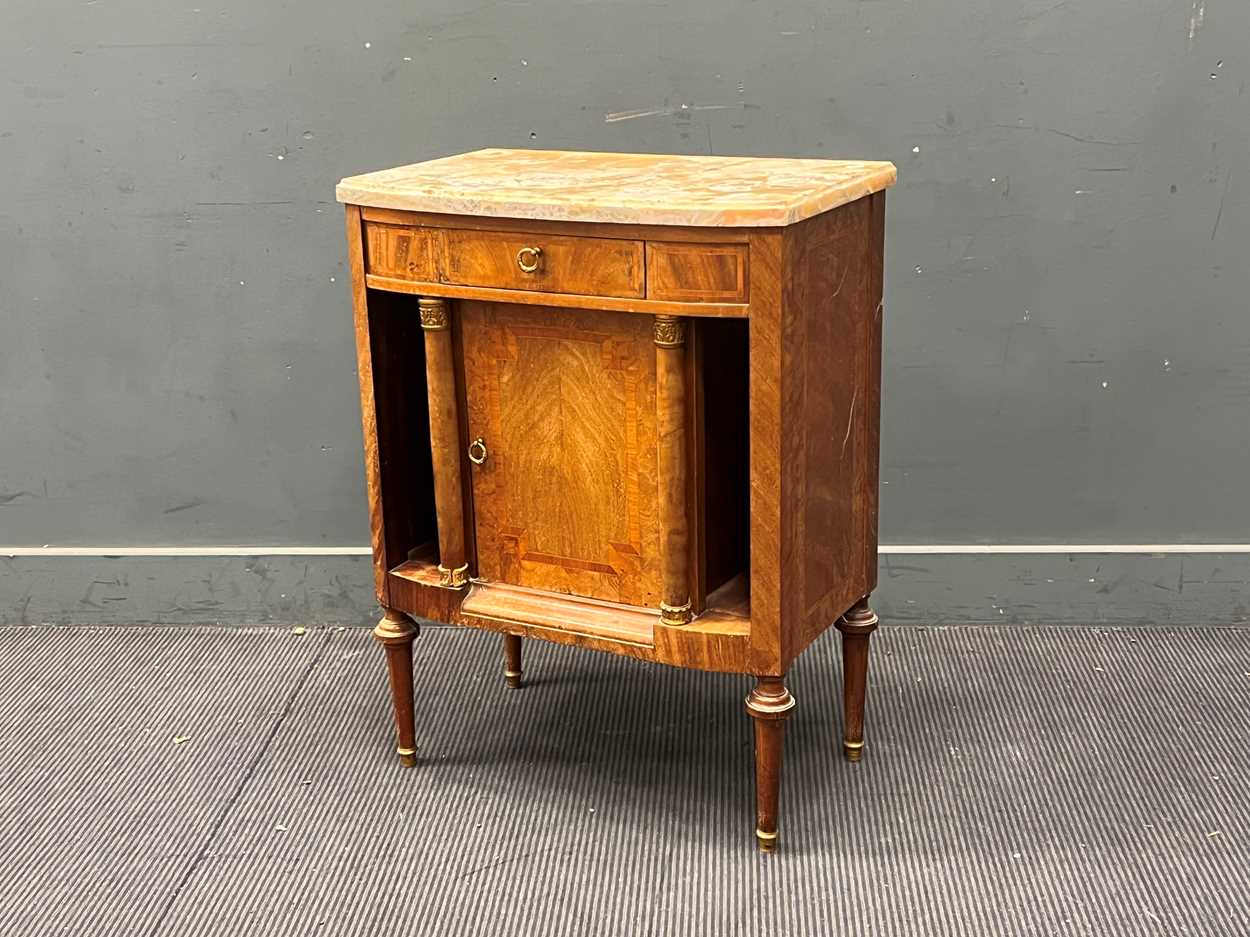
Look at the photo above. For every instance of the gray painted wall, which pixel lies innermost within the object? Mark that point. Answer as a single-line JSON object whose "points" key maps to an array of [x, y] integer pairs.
{"points": [[1132, 590], [1068, 339]]}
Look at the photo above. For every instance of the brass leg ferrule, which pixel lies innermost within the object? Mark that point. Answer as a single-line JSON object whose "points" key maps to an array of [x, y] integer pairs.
{"points": [[513, 679], [676, 614], [767, 841], [407, 757], [854, 750]]}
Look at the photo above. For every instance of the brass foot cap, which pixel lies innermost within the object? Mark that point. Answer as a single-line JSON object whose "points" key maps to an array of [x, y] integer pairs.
{"points": [[513, 680], [676, 615], [854, 750], [767, 841], [407, 757]]}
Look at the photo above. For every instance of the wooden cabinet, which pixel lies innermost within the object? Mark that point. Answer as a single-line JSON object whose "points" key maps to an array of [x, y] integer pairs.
{"points": [[629, 403]]}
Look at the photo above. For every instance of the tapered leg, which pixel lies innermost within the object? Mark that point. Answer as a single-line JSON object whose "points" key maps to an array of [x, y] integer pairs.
{"points": [[395, 632], [768, 705], [857, 626], [512, 660]]}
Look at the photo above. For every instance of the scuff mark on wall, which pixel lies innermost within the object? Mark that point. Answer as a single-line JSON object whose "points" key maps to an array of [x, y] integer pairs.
{"points": [[668, 110], [1197, 14], [186, 506], [1038, 15], [1070, 136], [1223, 197]]}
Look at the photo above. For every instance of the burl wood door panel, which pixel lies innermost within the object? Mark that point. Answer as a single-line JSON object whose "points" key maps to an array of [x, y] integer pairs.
{"points": [[566, 498]]}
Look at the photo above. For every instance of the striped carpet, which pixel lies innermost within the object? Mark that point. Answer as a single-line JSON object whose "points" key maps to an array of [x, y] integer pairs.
{"points": [[1017, 781]]}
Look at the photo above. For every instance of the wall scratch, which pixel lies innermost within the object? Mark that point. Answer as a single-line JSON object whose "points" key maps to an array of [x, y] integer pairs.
{"points": [[193, 503], [1220, 211], [1197, 14], [1070, 136], [665, 111]]}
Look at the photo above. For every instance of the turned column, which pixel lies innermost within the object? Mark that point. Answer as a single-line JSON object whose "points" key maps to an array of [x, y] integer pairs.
{"points": [[395, 633], [512, 660], [768, 705], [440, 375], [857, 626], [670, 402]]}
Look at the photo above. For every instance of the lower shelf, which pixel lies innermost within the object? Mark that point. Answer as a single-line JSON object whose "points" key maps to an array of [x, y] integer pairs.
{"points": [[500, 602], [718, 640]]}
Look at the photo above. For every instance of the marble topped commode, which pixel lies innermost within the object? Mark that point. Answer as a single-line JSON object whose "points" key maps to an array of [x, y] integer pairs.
{"points": [[628, 403], [624, 188]]}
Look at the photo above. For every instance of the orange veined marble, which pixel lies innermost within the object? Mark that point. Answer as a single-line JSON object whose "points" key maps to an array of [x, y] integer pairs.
{"points": [[626, 188]]}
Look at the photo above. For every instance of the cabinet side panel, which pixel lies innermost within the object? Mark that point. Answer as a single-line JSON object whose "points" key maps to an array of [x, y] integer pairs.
{"points": [[364, 370], [833, 299], [869, 480], [770, 527]]}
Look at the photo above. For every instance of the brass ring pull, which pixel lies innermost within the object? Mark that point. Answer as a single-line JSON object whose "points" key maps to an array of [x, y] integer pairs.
{"points": [[529, 258], [479, 446]]}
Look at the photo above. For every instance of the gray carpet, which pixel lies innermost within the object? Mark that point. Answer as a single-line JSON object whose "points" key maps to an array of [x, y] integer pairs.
{"points": [[1017, 781]]}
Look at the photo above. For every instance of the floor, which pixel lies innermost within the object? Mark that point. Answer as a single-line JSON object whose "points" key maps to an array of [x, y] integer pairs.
{"points": [[1017, 780]]}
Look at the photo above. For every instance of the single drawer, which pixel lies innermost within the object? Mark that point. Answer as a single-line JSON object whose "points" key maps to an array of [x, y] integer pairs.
{"points": [[550, 263], [399, 251], [697, 273]]}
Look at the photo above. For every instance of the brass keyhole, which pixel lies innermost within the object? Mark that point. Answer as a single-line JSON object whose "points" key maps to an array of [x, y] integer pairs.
{"points": [[477, 451], [529, 258]]}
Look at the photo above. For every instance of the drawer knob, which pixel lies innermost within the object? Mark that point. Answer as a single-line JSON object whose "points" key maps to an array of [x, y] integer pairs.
{"points": [[529, 258], [477, 451]]}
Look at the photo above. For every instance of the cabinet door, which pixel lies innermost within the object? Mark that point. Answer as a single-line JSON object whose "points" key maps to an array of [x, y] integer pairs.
{"points": [[564, 401]]}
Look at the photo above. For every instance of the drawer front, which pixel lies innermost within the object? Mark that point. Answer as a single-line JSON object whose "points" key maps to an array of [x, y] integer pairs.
{"points": [[697, 273], [552, 264], [399, 251]]}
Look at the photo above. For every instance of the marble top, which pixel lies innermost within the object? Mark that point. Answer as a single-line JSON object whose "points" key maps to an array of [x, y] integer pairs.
{"points": [[629, 188]]}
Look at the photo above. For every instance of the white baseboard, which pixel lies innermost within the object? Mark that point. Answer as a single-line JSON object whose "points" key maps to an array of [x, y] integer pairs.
{"points": [[904, 549], [1161, 584], [1014, 549], [246, 550]]}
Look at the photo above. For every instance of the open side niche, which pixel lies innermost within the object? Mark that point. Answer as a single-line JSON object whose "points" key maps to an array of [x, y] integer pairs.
{"points": [[726, 508], [403, 427]]}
